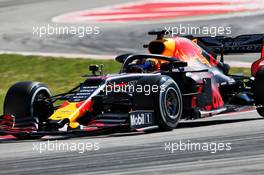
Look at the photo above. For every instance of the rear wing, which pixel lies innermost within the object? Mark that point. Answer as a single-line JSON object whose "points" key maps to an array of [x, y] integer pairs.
{"points": [[223, 45], [253, 43]]}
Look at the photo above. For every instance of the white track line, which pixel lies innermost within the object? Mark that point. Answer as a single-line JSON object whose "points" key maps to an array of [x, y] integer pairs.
{"points": [[64, 55], [100, 57]]}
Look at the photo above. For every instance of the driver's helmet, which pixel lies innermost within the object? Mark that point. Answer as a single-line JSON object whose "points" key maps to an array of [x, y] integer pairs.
{"points": [[150, 64]]}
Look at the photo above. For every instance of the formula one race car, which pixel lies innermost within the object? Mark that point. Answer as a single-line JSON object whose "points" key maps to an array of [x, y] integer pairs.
{"points": [[181, 78]]}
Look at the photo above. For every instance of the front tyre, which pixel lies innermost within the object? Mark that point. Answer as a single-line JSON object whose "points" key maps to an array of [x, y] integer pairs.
{"points": [[24, 100], [169, 104]]}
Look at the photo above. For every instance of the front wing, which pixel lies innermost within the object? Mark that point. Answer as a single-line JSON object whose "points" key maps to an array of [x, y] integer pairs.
{"points": [[28, 128]]}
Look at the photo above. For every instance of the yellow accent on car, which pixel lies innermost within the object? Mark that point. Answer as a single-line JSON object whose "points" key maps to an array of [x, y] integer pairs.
{"points": [[169, 47], [74, 125], [70, 111]]}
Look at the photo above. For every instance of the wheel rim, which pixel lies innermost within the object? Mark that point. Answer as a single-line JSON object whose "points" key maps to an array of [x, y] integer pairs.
{"points": [[38, 97], [41, 91], [171, 103]]}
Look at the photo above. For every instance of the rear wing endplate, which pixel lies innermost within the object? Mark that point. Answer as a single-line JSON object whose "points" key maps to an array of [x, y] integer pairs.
{"points": [[253, 43]]}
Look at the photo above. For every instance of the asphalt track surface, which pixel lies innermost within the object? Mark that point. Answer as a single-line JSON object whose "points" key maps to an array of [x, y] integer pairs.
{"points": [[126, 153], [146, 154], [18, 17]]}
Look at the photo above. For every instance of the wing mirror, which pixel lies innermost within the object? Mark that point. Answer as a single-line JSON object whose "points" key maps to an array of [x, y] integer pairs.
{"points": [[96, 68]]}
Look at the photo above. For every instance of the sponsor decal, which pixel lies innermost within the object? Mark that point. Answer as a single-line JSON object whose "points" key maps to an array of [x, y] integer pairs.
{"points": [[141, 119]]}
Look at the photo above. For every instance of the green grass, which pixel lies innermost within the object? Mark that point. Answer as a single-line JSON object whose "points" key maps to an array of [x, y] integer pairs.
{"points": [[60, 74], [245, 71]]}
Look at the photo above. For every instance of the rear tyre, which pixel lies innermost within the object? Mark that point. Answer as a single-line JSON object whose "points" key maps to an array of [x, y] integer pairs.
{"points": [[169, 104], [261, 111], [258, 92], [23, 101]]}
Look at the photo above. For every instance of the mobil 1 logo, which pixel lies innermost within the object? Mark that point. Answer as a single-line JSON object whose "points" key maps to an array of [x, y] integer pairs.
{"points": [[140, 119]]}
